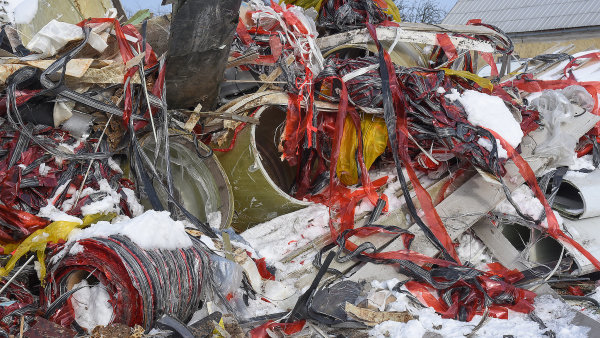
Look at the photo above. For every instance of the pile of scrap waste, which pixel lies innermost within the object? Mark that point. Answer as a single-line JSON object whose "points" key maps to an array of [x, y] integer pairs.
{"points": [[354, 176]]}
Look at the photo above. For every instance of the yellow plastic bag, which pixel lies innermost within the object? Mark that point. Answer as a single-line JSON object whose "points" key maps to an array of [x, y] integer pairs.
{"points": [[374, 136], [52, 233], [346, 166]]}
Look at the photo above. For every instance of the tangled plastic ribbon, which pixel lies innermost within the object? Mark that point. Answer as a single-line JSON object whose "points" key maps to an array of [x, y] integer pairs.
{"points": [[126, 54], [142, 284]]}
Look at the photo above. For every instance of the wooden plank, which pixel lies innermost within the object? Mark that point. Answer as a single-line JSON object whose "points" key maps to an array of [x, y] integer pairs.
{"points": [[412, 33]]}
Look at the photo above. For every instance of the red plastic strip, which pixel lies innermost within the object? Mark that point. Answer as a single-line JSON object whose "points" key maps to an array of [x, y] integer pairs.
{"points": [[443, 40], [529, 176], [489, 59], [288, 328], [432, 218]]}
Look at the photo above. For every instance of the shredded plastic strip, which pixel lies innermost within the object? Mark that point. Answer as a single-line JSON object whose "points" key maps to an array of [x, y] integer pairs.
{"points": [[142, 284]]}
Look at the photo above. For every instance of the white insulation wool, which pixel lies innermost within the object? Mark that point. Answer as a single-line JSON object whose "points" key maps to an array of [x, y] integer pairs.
{"points": [[527, 202], [91, 305]]}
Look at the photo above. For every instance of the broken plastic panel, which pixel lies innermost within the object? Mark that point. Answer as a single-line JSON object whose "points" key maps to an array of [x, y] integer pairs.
{"points": [[260, 180], [200, 184], [586, 232], [545, 250], [403, 54], [578, 194]]}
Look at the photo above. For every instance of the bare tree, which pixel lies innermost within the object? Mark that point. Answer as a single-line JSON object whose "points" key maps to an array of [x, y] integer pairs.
{"points": [[426, 11]]}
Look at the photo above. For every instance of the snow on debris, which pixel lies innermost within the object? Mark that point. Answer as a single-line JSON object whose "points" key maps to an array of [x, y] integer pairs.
{"points": [[107, 204], [528, 204], [490, 112], [487, 144], [91, 305], [132, 203], [110, 203], [53, 214], [555, 314], [151, 230], [584, 162], [278, 237], [20, 11], [471, 249], [590, 72]]}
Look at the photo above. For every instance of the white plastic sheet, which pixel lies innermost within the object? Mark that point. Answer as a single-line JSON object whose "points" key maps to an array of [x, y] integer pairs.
{"points": [[56, 34]]}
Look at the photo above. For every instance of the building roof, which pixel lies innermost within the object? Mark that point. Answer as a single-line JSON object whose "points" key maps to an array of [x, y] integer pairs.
{"points": [[515, 16]]}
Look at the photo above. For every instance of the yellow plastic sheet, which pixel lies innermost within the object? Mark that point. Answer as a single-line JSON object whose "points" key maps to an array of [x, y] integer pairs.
{"points": [[484, 83], [392, 10], [374, 135], [52, 233], [375, 138], [346, 166], [316, 4], [217, 331]]}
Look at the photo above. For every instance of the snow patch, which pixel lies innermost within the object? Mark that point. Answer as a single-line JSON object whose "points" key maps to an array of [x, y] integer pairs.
{"points": [[487, 144], [37, 266], [114, 165], [278, 237], [55, 215], [473, 250], [574, 175], [490, 112], [44, 169], [25, 11], [214, 219], [132, 202], [151, 230], [208, 242], [110, 203], [453, 96], [583, 162], [20, 11], [556, 314], [76, 249]]}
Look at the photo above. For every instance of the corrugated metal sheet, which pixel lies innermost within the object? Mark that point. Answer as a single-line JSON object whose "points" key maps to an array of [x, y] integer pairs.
{"points": [[514, 16]]}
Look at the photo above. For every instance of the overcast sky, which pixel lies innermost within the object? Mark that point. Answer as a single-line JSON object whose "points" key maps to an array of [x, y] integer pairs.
{"points": [[132, 6]]}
